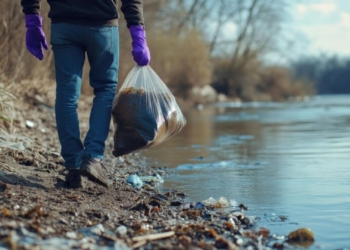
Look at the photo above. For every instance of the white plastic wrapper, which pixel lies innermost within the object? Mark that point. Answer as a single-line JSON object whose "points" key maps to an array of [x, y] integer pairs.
{"points": [[145, 112]]}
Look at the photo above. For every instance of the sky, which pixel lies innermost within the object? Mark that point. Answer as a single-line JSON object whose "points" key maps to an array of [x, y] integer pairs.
{"points": [[322, 25], [312, 27]]}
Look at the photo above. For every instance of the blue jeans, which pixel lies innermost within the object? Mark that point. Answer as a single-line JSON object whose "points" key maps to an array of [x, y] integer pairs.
{"points": [[70, 43]]}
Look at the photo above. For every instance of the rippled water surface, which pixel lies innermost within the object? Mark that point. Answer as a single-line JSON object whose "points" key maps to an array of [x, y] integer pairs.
{"points": [[290, 159]]}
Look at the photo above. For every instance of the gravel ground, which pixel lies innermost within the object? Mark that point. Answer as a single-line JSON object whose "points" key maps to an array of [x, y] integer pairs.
{"points": [[38, 211]]}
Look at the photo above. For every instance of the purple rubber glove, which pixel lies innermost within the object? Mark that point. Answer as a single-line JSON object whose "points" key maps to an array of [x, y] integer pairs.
{"points": [[35, 36], [140, 50]]}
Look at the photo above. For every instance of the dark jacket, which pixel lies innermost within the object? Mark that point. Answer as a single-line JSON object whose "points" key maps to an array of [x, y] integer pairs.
{"points": [[89, 12]]}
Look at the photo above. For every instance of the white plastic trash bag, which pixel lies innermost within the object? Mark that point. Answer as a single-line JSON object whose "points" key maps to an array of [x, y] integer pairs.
{"points": [[145, 112]]}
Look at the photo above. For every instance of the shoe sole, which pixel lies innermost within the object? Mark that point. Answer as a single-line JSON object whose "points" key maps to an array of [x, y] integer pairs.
{"points": [[76, 186], [91, 175]]}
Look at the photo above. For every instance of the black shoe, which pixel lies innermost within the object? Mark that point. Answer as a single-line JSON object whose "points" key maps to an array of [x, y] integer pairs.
{"points": [[95, 171], [74, 179]]}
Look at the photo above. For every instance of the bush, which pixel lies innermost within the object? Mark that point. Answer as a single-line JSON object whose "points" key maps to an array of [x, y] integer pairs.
{"points": [[254, 82], [16, 63], [6, 109]]}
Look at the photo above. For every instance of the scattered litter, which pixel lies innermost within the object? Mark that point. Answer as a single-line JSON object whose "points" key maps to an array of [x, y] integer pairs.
{"points": [[275, 218], [23, 239], [211, 202], [278, 237], [233, 203], [199, 205], [155, 178], [30, 124], [135, 181]]}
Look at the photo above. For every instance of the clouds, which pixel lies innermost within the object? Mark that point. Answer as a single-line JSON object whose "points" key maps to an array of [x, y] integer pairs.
{"points": [[325, 24], [345, 19], [323, 8]]}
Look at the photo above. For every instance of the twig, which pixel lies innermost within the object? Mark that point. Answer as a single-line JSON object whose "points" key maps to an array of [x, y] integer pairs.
{"points": [[139, 244], [153, 236]]}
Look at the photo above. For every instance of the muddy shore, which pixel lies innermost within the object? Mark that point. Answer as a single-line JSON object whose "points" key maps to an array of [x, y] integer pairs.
{"points": [[38, 211]]}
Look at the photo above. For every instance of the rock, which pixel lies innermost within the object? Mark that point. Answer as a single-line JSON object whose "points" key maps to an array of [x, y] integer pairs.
{"points": [[224, 243], [278, 246], [176, 203], [3, 187], [264, 232], [203, 95], [222, 98], [301, 235], [186, 240], [71, 235], [121, 230], [30, 124], [94, 230]]}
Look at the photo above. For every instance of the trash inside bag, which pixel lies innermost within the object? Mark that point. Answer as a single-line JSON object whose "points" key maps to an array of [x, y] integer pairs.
{"points": [[145, 112]]}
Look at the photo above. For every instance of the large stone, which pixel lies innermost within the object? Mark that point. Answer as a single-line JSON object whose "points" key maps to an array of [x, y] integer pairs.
{"points": [[302, 236], [203, 95]]}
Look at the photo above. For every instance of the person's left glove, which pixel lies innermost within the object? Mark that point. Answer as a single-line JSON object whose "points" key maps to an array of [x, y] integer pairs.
{"points": [[35, 36], [140, 50]]}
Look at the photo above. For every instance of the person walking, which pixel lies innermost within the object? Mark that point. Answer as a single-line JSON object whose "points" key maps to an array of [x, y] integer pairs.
{"points": [[80, 27]]}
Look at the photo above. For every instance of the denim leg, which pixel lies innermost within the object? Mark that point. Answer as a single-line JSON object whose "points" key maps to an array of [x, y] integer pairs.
{"points": [[69, 59], [103, 56]]}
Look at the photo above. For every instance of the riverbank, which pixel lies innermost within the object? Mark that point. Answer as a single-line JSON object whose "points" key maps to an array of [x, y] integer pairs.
{"points": [[37, 210]]}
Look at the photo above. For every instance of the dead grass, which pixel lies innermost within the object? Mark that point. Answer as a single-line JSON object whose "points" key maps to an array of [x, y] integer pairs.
{"points": [[6, 109], [254, 82], [181, 59]]}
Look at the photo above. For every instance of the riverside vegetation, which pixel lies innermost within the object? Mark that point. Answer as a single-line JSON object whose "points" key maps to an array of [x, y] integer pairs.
{"points": [[199, 67]]}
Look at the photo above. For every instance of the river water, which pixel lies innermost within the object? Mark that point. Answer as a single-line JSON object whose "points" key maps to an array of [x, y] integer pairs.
{"points": [[290, 159]]}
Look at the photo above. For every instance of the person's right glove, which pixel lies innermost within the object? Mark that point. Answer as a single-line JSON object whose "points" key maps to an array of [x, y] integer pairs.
{"points": [[35, 36], [140, 50]]}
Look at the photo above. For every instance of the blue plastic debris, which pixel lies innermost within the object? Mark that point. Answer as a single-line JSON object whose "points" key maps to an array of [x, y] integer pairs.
{"points": [[199, 205], [135, 181]]}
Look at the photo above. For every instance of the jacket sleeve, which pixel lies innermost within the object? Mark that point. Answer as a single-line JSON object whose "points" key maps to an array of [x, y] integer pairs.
{"points": [[30, 6], [133, 12]]}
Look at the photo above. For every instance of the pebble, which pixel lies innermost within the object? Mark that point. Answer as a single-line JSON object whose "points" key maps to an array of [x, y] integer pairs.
{"points": [[121, 230], [94, 230], [71, 235]]}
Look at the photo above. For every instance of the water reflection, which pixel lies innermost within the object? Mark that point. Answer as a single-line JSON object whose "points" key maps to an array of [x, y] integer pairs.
{"points": [[291, 159]]}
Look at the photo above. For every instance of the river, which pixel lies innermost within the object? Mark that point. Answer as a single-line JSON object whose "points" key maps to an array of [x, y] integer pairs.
{"points": [[290, 159]]}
